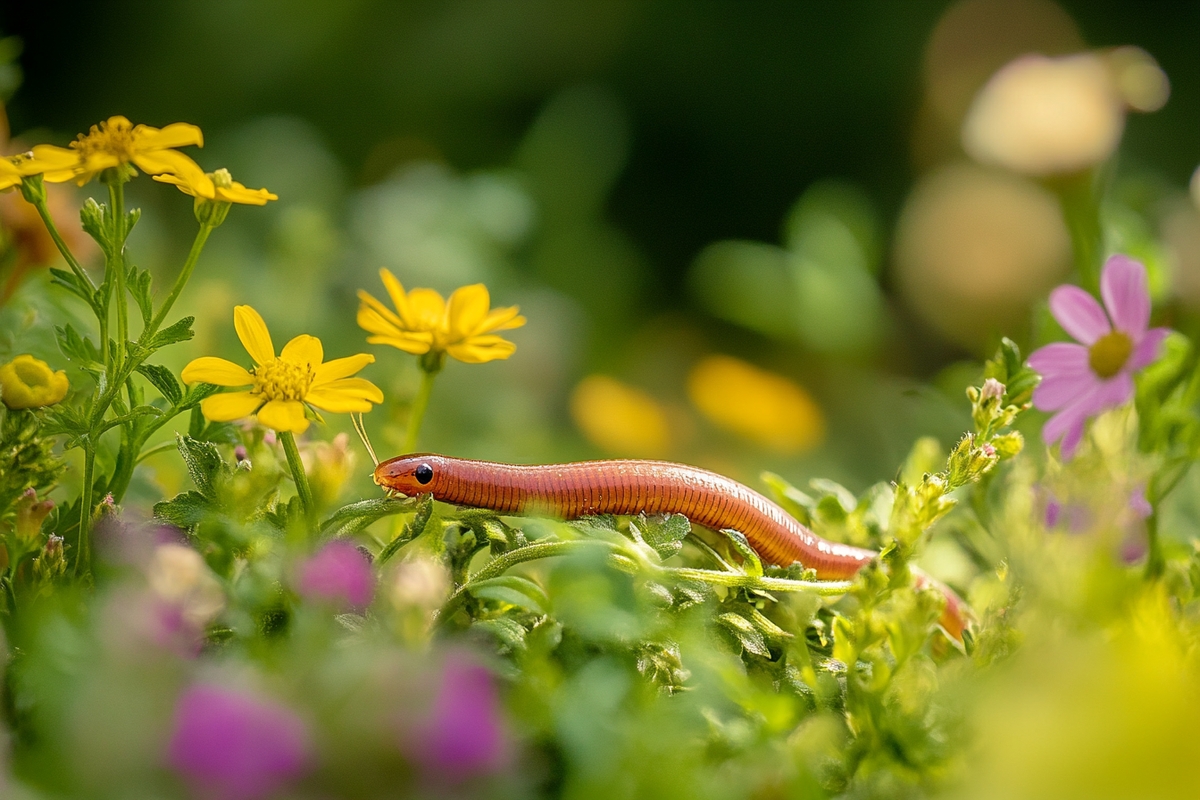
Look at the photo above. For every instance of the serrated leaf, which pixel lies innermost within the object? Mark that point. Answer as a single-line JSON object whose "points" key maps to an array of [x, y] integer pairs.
{"points": [[72, 283], [356, 516], [514, 590], [181, 331], [750, 637], [139, 286], [751, 563], [204, 464], [164, 380], [184, 510], [78, 349], [664, 534]]}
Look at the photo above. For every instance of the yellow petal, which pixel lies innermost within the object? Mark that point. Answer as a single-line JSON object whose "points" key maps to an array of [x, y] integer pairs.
{"points": [[396, 291], [341, 368], [412, 343], [347, 396], [237, 193], [426, 311], [172, 161], [210, 369], [468, 308], [376, 319], [180, 183], [228, 407], [501, 319], [253, 333], [284, 415], [481, 349], [55, 164], [177, 134], [304, 349]]}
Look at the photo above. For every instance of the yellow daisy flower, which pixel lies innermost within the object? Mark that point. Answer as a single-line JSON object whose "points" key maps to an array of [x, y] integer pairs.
{"points": [[464, 327], [28, 382], [117, 141], [220, 187], [280, 387]]}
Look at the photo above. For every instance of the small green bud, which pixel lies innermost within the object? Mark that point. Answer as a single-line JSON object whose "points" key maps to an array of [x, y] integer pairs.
{"points": [[30, 514], [1008, 444], [33, 189], [51, 563], [210, 213]]}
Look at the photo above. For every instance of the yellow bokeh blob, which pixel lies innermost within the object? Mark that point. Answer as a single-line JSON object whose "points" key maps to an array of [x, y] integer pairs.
{"points": [[619, 418], [764, 407]]}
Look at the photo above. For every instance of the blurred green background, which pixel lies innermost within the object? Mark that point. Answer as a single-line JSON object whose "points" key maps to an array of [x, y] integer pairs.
{"points": [[654, 183]]}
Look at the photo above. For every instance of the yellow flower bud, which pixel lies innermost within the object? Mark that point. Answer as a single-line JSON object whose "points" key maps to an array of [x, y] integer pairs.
{"points": [[27, 382]]}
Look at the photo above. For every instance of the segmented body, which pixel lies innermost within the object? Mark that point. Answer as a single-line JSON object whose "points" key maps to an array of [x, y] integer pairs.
{"points": [[570, 491]]}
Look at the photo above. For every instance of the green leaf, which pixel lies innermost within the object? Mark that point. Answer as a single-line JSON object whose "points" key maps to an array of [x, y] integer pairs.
{"points": [[748, 635], [832, 489], [78, 349], [1008, 367], [181, 331], [414, 528], [664, 534], [513, 590], [751, 563], [794, 501], [204, 464], [510, 633], [356, 516], [72, 283], [195, 394], [185, 510], [139, 286], [163, 380]]}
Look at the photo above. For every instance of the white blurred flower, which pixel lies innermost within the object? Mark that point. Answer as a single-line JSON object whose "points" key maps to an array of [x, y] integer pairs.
{"points": [[421, 582], [1044, 116], [179, 576]]}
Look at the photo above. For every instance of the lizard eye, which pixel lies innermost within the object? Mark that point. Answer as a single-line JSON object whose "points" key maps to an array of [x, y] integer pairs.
{"points": [[423, 474]]}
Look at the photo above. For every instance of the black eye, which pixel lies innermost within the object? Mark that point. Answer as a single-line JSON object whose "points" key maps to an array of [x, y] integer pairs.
{"points": [[423, 474]]}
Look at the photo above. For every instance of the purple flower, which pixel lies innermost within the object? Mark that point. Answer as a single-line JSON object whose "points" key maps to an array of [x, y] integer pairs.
{"points": [[1081, 380], [339, 573], [234, 746], [464, 734]]}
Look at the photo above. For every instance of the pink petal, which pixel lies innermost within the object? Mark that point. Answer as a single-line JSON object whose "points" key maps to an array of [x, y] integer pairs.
{"points": [[1148, 349], [1068, 423], [1059, 391], [1123, 287], [1065, 421], [1059, 357], [1079, 313]]}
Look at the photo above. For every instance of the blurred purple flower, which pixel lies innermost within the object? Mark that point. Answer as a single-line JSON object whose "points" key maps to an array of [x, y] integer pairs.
{"points": [[231, 745], [464, 734], [338, 572], [1081, 380]]}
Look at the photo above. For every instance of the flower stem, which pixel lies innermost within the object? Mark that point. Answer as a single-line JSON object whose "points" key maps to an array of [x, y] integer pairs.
{"points": [[429, 370], [1081, 212], [83, 548], [68, 256], [181, 281], [297, 468], [116, 196]]}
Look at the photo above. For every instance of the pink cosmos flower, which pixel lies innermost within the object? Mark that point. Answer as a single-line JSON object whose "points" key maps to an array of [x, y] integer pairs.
{"points": [[1081, 380]]}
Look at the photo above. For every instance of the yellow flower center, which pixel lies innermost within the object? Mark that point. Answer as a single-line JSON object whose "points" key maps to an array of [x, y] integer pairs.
{"points": [[221, 178], [283, 380], [1109, 354], [116, 139]]}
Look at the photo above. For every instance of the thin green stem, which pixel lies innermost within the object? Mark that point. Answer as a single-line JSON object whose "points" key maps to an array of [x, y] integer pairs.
{"points": [[116, 197], [184, 275], [428, 373], [1155, 561], [1081, 212], [83, 551], [740, 581], [297, 468], [161, 447], [67, 255]]}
